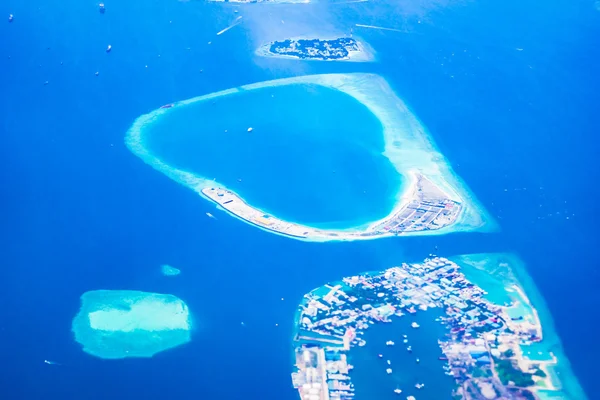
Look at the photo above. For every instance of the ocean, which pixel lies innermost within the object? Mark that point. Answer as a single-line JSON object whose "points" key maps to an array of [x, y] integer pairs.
{"points": [[507, 90]]}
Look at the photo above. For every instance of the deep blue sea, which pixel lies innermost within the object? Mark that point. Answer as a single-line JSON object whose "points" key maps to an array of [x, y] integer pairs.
{"points": [[507, 89]]}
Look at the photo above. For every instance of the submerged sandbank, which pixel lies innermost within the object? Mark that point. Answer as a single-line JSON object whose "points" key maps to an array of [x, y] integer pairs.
{"points": [[125, 323], [168, 270], [432, 201]]}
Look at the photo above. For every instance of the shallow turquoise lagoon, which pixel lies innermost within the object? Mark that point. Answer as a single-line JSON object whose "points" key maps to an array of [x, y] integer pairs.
{"points": [[313, 155]]}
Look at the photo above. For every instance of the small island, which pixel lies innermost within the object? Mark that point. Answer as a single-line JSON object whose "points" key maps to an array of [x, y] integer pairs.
{"points": [[114, 324], [492, 345], [339, 49]]}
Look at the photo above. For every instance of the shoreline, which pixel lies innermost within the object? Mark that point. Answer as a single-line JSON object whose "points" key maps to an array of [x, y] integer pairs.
{"points": [[560, 380], [441, 204]]}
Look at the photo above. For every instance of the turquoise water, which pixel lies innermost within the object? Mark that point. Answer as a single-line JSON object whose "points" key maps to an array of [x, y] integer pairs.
{"points": [[369, 375], [494, 274], [496, 292], [319, 164]]}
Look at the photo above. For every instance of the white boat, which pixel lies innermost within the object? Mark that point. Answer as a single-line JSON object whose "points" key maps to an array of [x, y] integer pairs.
{"points": [[389, 371], [414, 325]]}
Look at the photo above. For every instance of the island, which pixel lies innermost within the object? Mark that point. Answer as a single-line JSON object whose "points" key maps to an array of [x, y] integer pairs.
{"points": [[113, 324], [432, 199], [493, 344], [338, 49]]}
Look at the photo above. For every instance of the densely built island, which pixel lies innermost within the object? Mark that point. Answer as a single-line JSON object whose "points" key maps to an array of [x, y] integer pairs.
{"points": [[339, 49], [493, 347], [432, 200]]}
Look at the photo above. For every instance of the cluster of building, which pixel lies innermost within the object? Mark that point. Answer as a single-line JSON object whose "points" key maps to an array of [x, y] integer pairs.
{"points": [[481, 348], [332, 49], [429, 209]]}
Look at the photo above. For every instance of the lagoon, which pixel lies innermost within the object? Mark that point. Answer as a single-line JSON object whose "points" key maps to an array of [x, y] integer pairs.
{"points": [[320, 164], [369, 376]]}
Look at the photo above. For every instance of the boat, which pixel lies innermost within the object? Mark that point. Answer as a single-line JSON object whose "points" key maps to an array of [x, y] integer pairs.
{"points": [[389, 343], [389, 371], [397, 391], [167, 106], [414, 325], [389, 362]]}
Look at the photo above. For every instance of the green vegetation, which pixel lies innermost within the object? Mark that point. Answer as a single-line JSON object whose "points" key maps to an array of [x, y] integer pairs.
{"points": [[508, 373], [508, 353], [480, 373]]}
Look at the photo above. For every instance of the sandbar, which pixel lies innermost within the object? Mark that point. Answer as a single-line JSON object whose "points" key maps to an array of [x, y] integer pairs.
{"points": [[433, 199]]}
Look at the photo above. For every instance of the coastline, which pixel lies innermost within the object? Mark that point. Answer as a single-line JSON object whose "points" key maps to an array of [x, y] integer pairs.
{"points": [[484, 345], [510, 272], [408, 147]]}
